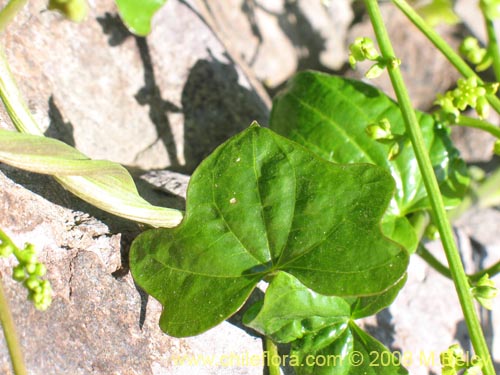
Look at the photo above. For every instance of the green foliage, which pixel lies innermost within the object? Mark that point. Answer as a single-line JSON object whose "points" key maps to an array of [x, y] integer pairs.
{"points": [[104, 184], [329, 115], [470, 49], [137, 14], [258, 205], [468, 93], [319, 327], [439, 11], [490, 8]]}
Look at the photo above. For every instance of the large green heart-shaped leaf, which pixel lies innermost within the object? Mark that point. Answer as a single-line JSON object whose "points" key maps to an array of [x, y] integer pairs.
{"points": [[260, 204], [323, 337], [329, 115], [137, 14]]}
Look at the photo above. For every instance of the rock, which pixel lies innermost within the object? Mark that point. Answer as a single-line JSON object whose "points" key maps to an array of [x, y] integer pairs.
{"points": [[99, 322], [277, 38], [144, 102]]}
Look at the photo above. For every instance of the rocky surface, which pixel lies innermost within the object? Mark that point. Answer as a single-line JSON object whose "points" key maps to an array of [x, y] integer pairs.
{"points": [[167, 101], [176, 94]]}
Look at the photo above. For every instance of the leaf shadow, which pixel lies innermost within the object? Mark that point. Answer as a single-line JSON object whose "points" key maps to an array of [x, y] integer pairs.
{"points": [[58, 128]]}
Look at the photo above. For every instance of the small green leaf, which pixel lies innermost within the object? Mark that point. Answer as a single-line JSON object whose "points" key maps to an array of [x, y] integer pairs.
{"points": [[439, 11], [137, 14], [291, 311], [104, 184], [260, 204]]}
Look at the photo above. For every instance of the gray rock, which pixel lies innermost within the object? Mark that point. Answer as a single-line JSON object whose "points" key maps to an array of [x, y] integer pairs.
{"points": [[146, 103], [277, 38], [99, 322]]}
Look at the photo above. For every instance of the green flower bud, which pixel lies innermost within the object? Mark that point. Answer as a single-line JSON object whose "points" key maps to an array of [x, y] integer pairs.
{"points": [[452, 360], [6, 249], [362, 49], [28, 255], [18, 273], [74, 10], [482, 107], [376, 70], [394, 151], [496, 147], [431, 232], [40, 270], [471, 50], [32, 282], [446, 102], [475, 367], [380, 130], [485, 291], [30, 268]]}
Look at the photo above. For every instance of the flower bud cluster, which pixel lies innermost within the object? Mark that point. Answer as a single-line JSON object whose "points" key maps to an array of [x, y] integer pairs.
{"points": [[363, 49], [469, 92], [485, 291], [474, 53], [382, 133], [454, 360], [29, 272]]}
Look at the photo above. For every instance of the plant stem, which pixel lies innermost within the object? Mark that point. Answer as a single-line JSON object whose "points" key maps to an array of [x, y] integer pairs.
{"points": [[486, 195], [426, 255], [432, 188], [8, 13], [476, 123], [9, 331], [14, 102], [493, 46], [444, 47], [272, 352]]}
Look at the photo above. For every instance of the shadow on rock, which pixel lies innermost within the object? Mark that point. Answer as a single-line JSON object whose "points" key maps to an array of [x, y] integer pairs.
{"points": [[215, 106]]}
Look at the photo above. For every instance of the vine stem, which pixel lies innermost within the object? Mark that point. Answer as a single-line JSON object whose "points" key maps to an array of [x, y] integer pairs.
{"points": [[444, 47], [472, 122], [432, 188], [8, 13], [493, 45], [9, 331], [272, 352], [435, 263]]}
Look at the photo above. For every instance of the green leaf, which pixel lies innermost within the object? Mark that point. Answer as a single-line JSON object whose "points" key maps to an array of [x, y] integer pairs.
{"points": [[329, 115], [104, 184], [291, 311], [137, 14], [367, 306], [260, 204], [323, 338], [399, 229]]}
